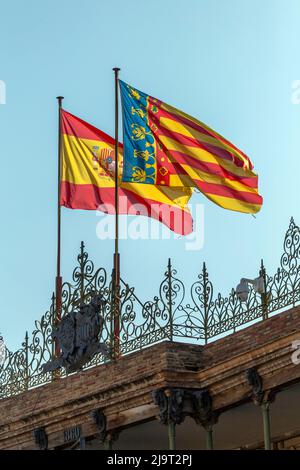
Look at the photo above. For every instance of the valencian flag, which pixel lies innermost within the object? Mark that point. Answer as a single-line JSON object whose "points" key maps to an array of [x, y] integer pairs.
{"points": [[87, 180], [165, 146]]}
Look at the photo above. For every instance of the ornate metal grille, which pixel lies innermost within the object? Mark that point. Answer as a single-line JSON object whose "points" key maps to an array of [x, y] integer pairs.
{"points": [[196, 315]]}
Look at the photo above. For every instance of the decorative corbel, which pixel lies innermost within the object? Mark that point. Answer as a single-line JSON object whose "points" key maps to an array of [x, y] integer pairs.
{"points": [[99, 419], [170, 402], [256, 383], [106, 437], [203, 412], [263, 399], [41, 438]]}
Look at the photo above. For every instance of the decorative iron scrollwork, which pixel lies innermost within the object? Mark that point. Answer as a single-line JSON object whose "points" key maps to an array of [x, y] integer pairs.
{"points": [[196, 315]]}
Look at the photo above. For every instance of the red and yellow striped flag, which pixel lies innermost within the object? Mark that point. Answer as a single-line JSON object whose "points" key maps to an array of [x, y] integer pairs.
{"points": [[87, 181], [165, 146]]}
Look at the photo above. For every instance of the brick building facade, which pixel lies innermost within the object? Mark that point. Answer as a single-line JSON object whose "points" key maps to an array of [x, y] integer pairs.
{"points": [[188, 374], [123, 391]]}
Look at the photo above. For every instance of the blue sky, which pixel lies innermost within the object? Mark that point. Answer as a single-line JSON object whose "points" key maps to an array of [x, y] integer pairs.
{"points": [[231, 64]]}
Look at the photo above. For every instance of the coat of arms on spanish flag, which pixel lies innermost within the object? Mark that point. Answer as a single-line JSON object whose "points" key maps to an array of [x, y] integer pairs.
{"points": [[87, 180], [165, 146]]}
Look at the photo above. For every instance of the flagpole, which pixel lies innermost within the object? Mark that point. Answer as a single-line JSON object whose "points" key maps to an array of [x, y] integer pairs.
{"points": [[58, 283], [116, 283]]}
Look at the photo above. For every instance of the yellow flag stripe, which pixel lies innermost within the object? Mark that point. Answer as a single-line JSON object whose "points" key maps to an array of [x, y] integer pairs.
{"points": [[78, 165], [187, 131], [231, 148], [203, 155], [211, 178], [234, 204], [78, 168]]}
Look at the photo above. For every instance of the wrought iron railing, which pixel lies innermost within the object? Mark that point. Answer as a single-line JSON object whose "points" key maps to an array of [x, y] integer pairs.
{"points": [[196, 316]]}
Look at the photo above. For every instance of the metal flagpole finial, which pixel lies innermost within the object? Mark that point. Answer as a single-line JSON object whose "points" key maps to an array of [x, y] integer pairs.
{"points": [[60, 98], [116, 71]]}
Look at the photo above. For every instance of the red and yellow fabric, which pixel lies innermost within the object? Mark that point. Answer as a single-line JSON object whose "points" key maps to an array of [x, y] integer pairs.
{"points": [[87, 180], [165, 146]]}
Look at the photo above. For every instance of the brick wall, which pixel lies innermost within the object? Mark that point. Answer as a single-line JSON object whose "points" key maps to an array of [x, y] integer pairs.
{"points": [[258, 335]]}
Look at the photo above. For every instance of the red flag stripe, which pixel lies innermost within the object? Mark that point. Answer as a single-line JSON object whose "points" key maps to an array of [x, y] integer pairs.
{"points": [[211, 168], [72, 125], [221, 190], [194, 124], [91, 197], [192, 142]]}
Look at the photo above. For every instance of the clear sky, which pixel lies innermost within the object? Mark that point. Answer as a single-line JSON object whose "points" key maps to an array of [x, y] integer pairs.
{"points": [[229, 63]]}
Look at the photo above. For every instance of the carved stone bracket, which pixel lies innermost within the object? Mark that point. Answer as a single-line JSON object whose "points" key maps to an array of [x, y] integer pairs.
{"points": [[171, 406], [170, 402], [202, 410], [106, 437], [256, 383], [161, 401], [99, 419], [259, 395], [41, 438]]}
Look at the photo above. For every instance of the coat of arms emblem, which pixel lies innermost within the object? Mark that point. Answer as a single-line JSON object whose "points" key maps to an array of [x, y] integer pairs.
{"points": [[78, 337]]}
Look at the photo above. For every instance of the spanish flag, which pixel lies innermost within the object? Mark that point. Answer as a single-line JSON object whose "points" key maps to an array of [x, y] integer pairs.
{"points": [[165, 146], [87, 181]]}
